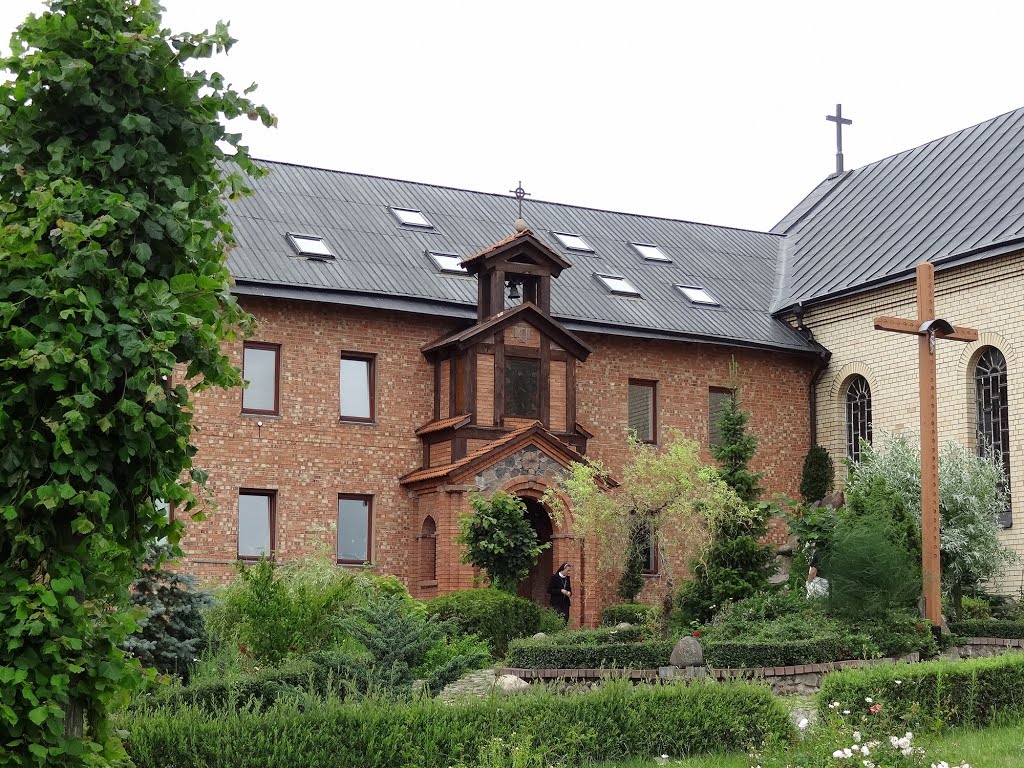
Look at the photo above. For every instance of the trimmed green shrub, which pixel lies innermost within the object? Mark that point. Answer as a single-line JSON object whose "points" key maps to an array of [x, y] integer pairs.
{"points": [[819, 475], [537, 654], [611, 723], [599, 636], [783, 629], [777, 653], [490, 614], [930, 695], [631, 613], [550, 621], [988, 628]]}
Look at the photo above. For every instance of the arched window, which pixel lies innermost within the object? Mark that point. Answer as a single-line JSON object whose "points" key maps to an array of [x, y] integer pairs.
{"points": [[428, 550], [993, 422], [858, 415]]}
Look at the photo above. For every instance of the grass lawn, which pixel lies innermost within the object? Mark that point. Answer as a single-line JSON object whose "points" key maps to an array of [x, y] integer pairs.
{"points": [[1001, 747]]}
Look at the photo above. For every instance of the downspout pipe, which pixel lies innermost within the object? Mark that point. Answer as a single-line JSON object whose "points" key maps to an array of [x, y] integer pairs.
{"points": [[824, 356]]}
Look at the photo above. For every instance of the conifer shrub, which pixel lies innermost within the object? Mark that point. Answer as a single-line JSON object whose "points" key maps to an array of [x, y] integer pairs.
{"points": [[870, 568], [491, 614], [632, 579], [615, 722], [819, 475], [172, 635]]}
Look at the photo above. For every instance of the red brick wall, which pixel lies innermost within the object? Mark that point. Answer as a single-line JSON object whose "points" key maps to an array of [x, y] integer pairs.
{"points": [[774, 387], [307, 454], [309, 457]]}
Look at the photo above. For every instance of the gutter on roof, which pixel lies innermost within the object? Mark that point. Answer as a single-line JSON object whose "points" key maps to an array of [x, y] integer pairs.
{"points": [[959, 259], [458, 311]]}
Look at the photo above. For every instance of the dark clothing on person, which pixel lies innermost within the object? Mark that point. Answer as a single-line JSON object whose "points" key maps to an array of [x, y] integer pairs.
{"points": [[559, 601]]}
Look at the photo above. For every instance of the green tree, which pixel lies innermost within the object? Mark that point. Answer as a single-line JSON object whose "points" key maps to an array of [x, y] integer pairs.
{"points": [[887, 481], [172, 635], [498, 538], [112, 245], [818, 476], [670, 490], [736, 447]]}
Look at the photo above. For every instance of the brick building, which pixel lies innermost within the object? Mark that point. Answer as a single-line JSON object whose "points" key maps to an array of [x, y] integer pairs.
{"points": [[415, 344]]}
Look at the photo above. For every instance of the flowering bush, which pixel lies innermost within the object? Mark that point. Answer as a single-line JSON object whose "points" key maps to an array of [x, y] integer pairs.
{"points": [[835, 743]]}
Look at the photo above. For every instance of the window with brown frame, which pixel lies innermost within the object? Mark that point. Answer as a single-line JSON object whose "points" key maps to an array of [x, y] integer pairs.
{"points": [[718, 399], [522, 387], [643, 410], [649, 550], [261, 371], [256, 522], [355, 528], [428, 551], [357, 387], [459, 371]]}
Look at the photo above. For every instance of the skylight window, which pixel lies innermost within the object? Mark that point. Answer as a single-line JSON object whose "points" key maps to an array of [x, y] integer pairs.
{"points": [[651, 252], [310, 245], [698, 295], [618, 285], [573, 242], [448, 262], [410, 217]]}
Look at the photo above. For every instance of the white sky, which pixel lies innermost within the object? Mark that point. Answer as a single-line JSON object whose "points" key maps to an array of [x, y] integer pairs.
{"points": [[709, 111]]}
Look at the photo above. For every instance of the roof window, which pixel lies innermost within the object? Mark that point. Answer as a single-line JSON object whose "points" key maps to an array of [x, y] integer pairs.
{"points": [[310, 245], [617, 284], [448, 262], [573, 242], [410, 217], [650, 252], [698, 295]]}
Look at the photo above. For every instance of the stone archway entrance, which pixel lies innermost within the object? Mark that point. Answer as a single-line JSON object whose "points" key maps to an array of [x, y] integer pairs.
{"points": [[535, 588]]}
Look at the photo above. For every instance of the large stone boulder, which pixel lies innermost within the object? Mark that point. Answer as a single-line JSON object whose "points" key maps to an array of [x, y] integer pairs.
{"points": [[511, 683], [539, 635], [687, 653], [623, 625]]}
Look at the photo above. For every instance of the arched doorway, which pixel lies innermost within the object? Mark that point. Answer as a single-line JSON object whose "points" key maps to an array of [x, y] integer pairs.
{"points": [[535, 587]]}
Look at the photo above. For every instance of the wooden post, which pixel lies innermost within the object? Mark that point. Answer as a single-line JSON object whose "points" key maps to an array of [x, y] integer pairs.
{"points": [[927, 328], [930, 561]]}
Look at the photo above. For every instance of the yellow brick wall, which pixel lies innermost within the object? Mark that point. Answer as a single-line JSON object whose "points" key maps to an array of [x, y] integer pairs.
{"points": [[988, 296]]}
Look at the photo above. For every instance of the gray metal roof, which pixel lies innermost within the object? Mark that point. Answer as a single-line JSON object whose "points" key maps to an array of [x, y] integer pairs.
{"points": [[381, 263], [958, 198]]}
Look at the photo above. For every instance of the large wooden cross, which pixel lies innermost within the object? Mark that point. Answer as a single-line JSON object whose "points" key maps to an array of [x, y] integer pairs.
{"points": [[928, 327]]}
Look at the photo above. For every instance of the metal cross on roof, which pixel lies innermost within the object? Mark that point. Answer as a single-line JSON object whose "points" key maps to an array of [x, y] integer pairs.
{"points": [[520, 193], [840, 121]]}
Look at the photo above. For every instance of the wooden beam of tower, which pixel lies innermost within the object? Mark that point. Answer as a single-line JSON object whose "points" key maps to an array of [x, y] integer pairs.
{"points": [[927, 332]]}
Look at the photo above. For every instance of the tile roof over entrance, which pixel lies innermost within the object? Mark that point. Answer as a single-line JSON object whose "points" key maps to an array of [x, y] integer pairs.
{"points": [[381, 263], [951, 200]]}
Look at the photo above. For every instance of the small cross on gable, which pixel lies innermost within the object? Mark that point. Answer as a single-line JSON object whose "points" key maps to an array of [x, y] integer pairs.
{"points": [[840, 121]]}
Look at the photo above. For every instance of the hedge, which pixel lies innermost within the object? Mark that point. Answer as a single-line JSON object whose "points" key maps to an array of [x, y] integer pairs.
{"points": [[731, 654], [489, 613], [932, 694], [615, 722], [537, 654], [324, 676], [599, 636], [630, 613], [988, 628]]}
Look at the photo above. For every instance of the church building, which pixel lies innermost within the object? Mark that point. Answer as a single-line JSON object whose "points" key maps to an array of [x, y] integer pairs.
{"points": [[417, 343]]}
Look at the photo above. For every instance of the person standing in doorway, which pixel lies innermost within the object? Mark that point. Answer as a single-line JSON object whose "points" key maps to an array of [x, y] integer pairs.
{"points": [[560, 589]]}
